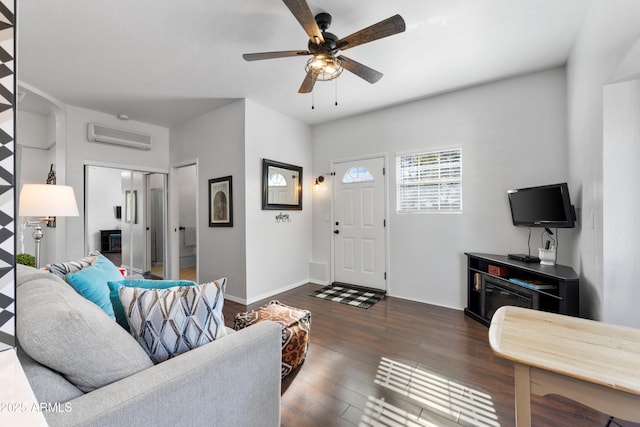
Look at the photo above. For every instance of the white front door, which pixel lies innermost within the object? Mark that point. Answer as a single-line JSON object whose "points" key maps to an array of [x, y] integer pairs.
{"points": [[359, 223]]}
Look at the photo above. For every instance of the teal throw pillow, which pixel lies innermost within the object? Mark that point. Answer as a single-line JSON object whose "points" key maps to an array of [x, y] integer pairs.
{"points": [[118, 309], [91, 282]]}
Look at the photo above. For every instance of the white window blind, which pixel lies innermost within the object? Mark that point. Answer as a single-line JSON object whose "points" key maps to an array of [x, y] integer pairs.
{"points": [[429, 182]]}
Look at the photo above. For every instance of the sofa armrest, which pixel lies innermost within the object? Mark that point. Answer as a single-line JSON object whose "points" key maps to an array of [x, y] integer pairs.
{"points": [[232, 381]]}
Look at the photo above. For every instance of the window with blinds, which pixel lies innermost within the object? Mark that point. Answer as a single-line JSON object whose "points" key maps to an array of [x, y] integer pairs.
{"points": [[429, 182]]}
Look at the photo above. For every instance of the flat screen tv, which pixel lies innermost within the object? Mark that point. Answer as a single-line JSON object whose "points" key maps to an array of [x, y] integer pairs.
{"points": [[544, 206]]}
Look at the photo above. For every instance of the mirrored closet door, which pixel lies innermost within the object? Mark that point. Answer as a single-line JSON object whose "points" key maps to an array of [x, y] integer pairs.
{"points": [[125, 218]]}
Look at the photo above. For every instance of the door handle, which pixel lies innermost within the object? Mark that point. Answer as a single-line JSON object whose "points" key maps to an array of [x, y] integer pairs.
{"points": [[336, 231]]}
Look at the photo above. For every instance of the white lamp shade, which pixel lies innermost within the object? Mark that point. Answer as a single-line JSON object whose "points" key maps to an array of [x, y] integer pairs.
{"points": [[43, 200]]}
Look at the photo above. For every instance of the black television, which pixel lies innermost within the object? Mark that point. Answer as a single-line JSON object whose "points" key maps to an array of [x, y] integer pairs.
{"points": [[546, 206]]}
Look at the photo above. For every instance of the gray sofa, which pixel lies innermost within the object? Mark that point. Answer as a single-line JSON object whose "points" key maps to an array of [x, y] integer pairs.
{"points": [[90, 371]]}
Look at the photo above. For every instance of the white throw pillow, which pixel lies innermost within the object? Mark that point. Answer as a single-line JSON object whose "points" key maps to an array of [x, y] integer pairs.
{"points": [[169, 322]]}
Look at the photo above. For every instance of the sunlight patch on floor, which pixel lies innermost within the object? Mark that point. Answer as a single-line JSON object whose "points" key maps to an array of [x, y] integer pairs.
{"points": [[381, 413], [435, 393]]}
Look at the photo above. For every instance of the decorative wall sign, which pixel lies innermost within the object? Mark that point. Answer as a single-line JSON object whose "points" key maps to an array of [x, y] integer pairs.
{"points": [[220, 202]]}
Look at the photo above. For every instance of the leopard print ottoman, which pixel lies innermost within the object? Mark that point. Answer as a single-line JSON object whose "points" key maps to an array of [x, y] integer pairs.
{"points": [[296, 324]]}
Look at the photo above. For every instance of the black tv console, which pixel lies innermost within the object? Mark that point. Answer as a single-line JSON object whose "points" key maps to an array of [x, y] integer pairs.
{"points": [[523, 257], [110, 241], [497, 280]]}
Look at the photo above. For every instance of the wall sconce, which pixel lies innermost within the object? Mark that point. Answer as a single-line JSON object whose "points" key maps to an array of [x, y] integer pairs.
{"points": [[319, 180]]}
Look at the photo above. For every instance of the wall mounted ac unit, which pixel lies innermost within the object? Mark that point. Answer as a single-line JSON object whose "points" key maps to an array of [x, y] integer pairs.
{"points": [[127, 138]]}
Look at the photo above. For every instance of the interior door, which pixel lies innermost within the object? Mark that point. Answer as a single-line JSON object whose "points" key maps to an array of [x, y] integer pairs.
{"points": [[359, 223]]}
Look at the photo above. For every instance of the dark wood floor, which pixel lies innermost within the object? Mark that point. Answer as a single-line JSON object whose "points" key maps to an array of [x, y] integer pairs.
{"points": [[402, 363]]}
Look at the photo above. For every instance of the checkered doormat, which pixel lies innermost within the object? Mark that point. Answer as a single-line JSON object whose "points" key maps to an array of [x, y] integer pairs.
{"points": [[350, 295]]}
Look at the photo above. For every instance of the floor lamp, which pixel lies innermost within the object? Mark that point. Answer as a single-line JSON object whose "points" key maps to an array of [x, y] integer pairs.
{"points": [[45, 201]]}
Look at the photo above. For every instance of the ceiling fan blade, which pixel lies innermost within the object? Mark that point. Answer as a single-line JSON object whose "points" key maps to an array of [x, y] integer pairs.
{"points": [[386, 28], [360, 70], [307, 84], [302, 13], [271, 55]]}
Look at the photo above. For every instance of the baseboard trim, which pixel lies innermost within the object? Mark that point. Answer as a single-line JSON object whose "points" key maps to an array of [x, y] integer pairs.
{"points": [[235, 299], [269, 294]]}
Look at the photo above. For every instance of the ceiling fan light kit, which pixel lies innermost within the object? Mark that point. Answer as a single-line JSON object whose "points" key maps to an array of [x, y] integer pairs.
{"points": [[325, 64], [324, 67]]}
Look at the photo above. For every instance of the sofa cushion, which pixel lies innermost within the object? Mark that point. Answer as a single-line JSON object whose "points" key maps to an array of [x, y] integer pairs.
{"points": [[91, 282], [63, 268], [169, 322], [65, 332], [48, 386], [27, 274], [118, 310]]}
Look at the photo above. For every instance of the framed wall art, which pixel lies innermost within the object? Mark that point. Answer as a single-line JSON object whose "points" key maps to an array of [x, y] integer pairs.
{"points": [[220, 202]]}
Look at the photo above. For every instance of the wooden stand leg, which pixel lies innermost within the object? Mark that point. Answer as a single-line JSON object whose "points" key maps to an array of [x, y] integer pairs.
{"points": [[522, 377]]}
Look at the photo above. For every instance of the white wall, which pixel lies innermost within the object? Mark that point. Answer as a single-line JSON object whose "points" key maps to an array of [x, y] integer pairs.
{"points": [[609, 31], [35, 153], [512, 133], [257, 255], [216, 141], [35, 130], [621, 185], [278, 254], [79, 151]]}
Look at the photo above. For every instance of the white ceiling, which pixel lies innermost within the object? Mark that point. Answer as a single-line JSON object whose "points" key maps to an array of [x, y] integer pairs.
{"points": [[163, 62]]}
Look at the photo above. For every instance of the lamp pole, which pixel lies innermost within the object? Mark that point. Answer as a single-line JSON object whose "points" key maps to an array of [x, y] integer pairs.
{"points": [[37, 237]]}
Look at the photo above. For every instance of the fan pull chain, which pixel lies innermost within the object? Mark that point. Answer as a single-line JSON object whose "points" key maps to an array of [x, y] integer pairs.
{"points": [[336, 103], [313, 107]]}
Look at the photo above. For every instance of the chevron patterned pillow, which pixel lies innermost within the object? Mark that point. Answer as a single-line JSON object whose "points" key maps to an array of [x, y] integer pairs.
{"points": [[63, 268], [169, 322]]}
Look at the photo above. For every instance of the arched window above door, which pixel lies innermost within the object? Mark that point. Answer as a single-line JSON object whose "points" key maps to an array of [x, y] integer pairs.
{"points": [[277, 180], [357, 174]]}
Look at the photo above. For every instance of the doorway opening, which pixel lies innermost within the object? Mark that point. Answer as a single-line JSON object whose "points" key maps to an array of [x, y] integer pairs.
{"points": [[187, 222]]}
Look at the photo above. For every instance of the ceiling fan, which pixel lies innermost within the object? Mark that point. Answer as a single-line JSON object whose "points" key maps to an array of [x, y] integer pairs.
{"points": [[325, 65]]}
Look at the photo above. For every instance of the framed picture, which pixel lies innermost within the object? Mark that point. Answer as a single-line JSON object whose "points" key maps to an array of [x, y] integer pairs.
{"points": [[131, 206], [220, 202]]}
